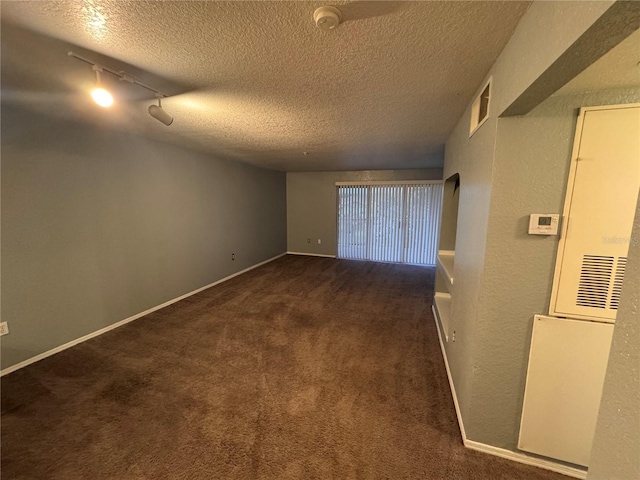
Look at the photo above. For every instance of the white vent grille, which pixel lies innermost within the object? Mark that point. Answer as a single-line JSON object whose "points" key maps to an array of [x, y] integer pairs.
{"points": [[595, 278], [617, 283]]}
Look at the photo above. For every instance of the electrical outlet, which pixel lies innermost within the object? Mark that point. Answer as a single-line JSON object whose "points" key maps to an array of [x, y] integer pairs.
{"points": [[233, 256], [453, 337], [319, 241], [4, 328]]}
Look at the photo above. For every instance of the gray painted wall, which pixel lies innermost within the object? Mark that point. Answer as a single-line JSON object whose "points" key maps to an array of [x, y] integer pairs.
{"points": [[311, 204], [99, 225], [472, 158], [544, 33], [616, 446], [485, 346], [531, 168]]}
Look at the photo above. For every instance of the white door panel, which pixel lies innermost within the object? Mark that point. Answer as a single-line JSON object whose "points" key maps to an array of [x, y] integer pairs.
{"points": [[599, 211], [567, 365]]}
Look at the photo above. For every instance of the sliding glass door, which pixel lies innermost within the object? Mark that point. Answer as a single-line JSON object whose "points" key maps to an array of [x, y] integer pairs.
{"points": [[389, 222]]}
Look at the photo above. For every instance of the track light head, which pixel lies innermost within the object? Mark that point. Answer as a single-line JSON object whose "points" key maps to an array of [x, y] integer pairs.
{"points": [[101, 96], [159, 114]]}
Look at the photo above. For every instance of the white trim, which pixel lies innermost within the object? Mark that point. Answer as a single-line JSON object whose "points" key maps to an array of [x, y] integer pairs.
{"points": [[451, 385], [442, 309], [565, 213], [615, 106], [501, 452], [475, 107], [113, 326], [390, 182], [526, 459], [311, 254]]}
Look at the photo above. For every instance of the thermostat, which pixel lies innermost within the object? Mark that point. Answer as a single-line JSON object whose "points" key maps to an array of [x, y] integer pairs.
{"points": [[544, 223]]}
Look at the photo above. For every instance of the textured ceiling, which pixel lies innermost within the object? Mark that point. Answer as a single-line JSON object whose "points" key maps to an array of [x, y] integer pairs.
{"points": [[259, 82], [619, 68]]}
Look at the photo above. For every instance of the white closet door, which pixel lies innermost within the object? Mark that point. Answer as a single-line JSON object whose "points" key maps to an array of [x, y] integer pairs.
{"points": [[599, 210]]}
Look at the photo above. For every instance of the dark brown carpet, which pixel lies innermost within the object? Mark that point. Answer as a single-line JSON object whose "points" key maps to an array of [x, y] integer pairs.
{"points": [[306, 368]]}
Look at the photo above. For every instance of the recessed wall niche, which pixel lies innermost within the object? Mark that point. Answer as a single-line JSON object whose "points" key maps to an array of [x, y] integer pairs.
{"points": [[446, 255]]}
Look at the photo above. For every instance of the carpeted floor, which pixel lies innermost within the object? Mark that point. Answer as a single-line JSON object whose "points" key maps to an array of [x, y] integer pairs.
{"points": [[305, 368]]}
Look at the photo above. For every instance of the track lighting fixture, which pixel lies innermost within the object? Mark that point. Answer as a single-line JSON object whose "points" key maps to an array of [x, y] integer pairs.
{"points": [[103, 98], [159, 114]]}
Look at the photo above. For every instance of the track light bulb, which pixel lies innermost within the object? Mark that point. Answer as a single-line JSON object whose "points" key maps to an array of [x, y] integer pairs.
{"points": [[157, 112], [99, 94], [102, 97]]}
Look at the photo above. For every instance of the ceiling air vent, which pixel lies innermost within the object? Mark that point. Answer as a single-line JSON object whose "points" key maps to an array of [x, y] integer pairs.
{"points": [[595, 278], [480, 108], [617, 283]]}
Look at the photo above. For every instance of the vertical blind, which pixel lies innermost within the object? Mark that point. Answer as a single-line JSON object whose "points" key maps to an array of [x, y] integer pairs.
{"points": [[389, 222]]}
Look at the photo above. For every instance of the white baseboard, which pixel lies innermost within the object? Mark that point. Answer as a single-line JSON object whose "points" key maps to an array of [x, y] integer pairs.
{"points": [[72, 343], [501, 452], [526, 459], [311, 254], [451, 385]]}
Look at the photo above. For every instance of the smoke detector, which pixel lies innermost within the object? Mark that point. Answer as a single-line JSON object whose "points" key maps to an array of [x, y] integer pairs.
{"points": [[327, 18]]}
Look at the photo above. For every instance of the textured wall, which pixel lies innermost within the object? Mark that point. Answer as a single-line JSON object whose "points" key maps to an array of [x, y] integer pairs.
{"points": [[99, 225], [545, 31], [472, 159], [531, 168], [619, 21], [616, 446], [311, 204]]}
